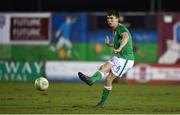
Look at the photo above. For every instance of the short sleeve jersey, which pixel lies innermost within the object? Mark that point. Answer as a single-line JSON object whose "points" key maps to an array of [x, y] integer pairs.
{"points": [[127, 50], [65, 30]]}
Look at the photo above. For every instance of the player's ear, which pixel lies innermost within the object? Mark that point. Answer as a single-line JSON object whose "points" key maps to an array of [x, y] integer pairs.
{"points": [[119, 20]]}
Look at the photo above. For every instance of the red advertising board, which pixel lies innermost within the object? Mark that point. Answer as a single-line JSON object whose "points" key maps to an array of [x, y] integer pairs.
{"points": [[29, 28], [166, 23]]}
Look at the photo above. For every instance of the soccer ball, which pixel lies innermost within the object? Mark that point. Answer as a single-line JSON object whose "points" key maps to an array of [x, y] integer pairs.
{"points": [[41, 84]]}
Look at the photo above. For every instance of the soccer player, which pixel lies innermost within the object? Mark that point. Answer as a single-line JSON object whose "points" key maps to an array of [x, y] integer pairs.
{"points": [[63, 33], [121, 61]]}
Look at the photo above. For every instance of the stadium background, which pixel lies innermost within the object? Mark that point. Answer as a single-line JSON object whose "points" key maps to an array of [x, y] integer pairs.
{"points": [[25, 56]]}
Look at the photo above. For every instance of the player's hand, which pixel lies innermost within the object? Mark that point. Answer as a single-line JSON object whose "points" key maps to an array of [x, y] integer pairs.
{"points": [[116, 50], [107, 41], [57, 34]]}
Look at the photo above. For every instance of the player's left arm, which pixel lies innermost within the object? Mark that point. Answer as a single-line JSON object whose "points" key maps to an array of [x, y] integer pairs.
{"points": [[124, 38]]}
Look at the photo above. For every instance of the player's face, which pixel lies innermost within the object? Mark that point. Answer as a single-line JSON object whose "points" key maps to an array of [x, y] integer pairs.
{"points": [[112, 21]]}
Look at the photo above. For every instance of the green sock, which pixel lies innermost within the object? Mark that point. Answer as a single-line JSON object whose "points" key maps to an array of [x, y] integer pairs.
{"points": [[104, 96], [96, 76]]}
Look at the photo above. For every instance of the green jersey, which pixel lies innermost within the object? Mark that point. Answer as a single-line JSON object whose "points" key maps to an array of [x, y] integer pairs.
{"points": [[127, 50]]}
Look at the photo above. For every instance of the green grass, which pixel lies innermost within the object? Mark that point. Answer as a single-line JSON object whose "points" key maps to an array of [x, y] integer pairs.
{"points": [[18, 97]]}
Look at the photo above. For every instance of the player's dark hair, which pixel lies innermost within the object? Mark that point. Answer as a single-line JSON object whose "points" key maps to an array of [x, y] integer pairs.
{"points": [[113, 13]]}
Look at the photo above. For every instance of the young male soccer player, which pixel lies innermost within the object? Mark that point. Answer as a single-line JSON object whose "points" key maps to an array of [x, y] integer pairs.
{"points": [[122, 58]]}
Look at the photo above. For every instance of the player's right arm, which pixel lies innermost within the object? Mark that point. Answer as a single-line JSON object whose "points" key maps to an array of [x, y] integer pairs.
{"points": [[107, 42]]}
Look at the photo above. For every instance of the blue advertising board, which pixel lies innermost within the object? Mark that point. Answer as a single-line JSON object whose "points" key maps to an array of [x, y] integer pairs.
{"points": [[78, 29]]}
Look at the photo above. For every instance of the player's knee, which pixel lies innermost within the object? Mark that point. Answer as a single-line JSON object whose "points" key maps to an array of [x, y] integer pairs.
{"points": [[105, 68]]}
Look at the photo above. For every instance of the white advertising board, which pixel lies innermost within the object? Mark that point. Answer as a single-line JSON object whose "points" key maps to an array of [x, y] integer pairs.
{"points": [[154, 72], [65, 70], [4, 28], [25, 28]]}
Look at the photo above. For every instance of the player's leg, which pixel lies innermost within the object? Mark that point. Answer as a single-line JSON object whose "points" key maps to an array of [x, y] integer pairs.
{"points": [[69, 46], [121, 67], [60, 43], [105, 68], [106, 90], [97, 75]]}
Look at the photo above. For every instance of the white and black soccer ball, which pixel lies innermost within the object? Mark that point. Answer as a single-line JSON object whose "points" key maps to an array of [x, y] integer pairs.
{"points": [[41, 84]]}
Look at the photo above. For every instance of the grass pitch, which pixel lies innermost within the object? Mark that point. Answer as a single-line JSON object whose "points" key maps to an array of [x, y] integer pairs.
{"points": [[77, 98]]}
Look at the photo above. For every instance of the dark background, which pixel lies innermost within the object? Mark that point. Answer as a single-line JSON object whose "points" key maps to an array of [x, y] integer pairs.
{"points": [[89, 5]]}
